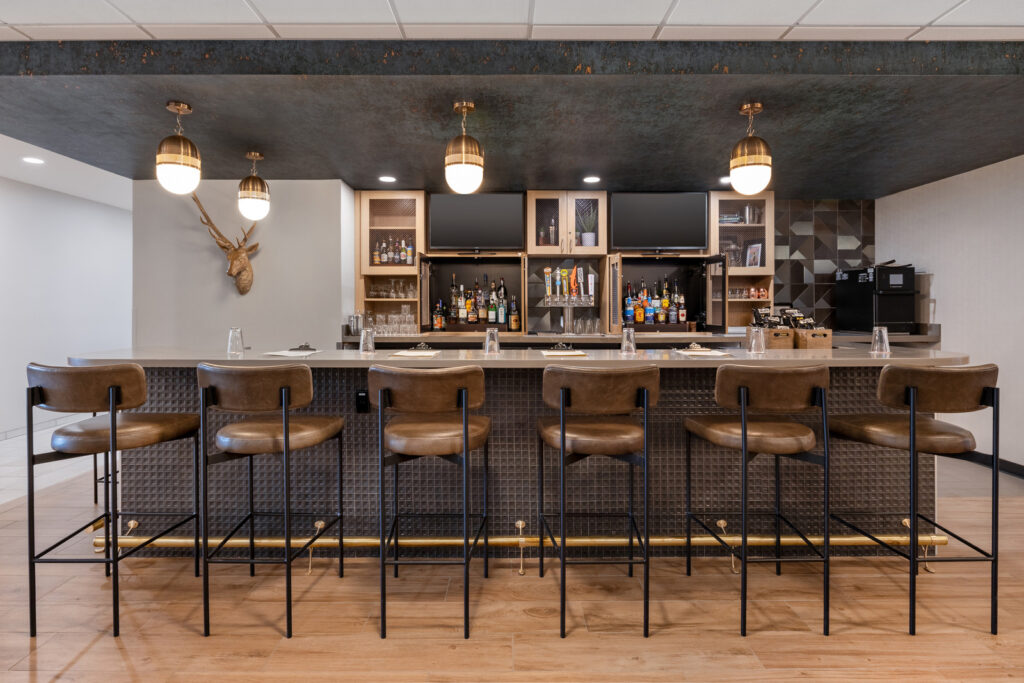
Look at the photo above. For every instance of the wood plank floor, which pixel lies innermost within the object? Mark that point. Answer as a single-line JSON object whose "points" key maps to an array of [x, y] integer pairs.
{"points": [[694, 634]]}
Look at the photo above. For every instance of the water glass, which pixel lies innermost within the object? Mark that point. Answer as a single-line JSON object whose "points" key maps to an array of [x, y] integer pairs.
{"points": [[755, 340], [628, 346], [366, 342], [880, 341], [491, 344], [236, 348]]}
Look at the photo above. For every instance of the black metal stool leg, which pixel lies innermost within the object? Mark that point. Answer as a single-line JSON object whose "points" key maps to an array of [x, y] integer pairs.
{"points": [[743, 513], [205, 522], [913, 511], [994, 606], [561, 525], [31, 499], [778, 521], [540, 506], [114, 551], [95, 480], [464, 403], [647, 527], [629, 520], [382, 514], [341, 508], [689, 501], [486, 521], [106, 513], [252, 519], [394, 515], [287, 542], [195, 503]]}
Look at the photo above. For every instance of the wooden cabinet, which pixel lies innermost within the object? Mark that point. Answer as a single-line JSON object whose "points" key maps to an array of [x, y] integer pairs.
{"points": [[566, 223], [742, 229]]}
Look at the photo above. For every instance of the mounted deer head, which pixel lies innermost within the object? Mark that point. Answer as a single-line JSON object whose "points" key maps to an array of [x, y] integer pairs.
{"points": [[239, 266]]}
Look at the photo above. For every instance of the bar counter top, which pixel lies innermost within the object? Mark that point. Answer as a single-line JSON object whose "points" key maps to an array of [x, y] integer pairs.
{"points": [[857, 356]]}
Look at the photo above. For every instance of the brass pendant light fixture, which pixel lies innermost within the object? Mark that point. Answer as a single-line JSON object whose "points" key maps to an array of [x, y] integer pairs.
{"points": [[178, 166], [750, 166], [253, 192], [464, 157]]}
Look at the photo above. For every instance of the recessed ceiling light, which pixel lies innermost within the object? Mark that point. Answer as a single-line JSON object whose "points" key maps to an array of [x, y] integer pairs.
{"points": [[725, 180], [33, 160], [592, 179], [387, 178]]}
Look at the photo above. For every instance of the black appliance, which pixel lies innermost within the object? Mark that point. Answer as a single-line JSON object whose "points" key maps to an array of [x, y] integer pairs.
{"points": [[477, 222], [882, 295], [659, 221]]}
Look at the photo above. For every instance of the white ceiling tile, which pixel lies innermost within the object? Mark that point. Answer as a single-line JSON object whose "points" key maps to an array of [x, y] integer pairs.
{"points": [[742, 12], [338, 31], [876, 12], [986, 13], [466, 31], [602, 32], [722, 32], [187, 11], [8, 33], [325, 11], [593, 12], [209, 31], [83, 32], [59, 12], [971, 33], [850, 32], [463, 12]]}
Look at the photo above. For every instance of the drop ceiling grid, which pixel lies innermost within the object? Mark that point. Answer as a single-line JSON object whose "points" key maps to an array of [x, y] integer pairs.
{"points": [[513, 19]]}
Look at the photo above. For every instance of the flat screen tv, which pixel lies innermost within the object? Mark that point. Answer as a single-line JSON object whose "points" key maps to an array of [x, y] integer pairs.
{"points": [[471, 222], [656, 221]]}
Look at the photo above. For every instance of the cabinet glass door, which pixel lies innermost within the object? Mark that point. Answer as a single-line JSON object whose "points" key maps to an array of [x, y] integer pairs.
{"points": [[715, 311], [545, 222], [588, 222]]}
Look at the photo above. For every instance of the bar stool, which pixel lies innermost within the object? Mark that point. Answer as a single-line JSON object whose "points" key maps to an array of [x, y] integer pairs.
{"points": [[774, 391], [932, 390], [93, 389], [260, 389], [595, 407], [433, 419]]}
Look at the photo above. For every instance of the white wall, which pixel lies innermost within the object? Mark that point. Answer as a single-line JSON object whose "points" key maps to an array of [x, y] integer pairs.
{"points": [[968, 232], [184, 299], [65, 274]]}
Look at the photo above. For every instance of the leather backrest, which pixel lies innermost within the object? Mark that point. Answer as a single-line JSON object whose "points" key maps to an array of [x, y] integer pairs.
{"points": [[770, 390], [600, 391], [427, 390], [85, 389], [256, 388], [939, 390]]}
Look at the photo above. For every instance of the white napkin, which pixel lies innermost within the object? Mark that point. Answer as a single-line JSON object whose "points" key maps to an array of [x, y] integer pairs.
{"points": [[409, 353], [564, 353], [702, 352], [291, 354]]}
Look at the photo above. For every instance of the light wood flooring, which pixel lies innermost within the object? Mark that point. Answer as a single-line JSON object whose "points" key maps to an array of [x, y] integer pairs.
{"points": [[694, 631]]}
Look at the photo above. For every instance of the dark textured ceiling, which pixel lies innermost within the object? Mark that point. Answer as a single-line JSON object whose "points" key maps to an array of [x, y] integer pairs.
{"points": [[858, 134]]}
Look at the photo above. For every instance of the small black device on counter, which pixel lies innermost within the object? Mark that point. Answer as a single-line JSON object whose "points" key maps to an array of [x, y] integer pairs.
{"points": [[881, 295]]}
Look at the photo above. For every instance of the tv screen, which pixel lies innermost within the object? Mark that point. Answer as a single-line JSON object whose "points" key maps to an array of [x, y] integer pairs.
{"points": [[659, 220], [477, 221]]}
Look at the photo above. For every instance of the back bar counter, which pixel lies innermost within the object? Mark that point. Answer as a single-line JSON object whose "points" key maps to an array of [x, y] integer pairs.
{"points": [[864, 478]]}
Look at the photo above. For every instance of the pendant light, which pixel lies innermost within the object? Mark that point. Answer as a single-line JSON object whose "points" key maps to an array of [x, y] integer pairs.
{"points": [[178, 166], [750, 166], [253, 192], [464, 157]]}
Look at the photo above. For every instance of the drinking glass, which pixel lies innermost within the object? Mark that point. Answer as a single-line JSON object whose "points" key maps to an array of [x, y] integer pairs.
{"points": [[880, 341], [236, 349], [491, 344], [366, 342], [628, 346], [755, 340]]}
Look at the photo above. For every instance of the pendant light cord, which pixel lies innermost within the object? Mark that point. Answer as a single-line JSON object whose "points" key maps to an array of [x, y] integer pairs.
{"points": [[464, 111], [750, 123], [178, 129]]}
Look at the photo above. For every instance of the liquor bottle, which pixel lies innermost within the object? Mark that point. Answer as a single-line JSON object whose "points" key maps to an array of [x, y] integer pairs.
{"points": [[471, 315], [643, 288], [682, 308], [396, 255], [385, 255], [502, 310], [628, 314], [376, 253], [551, 232], [439, 315], [453, 303], [481, 301], [410, 254], [502, 292], [402, 253], [463, 314], [492, 309], [664, 294], [639, 308], [513, 316], [649, 310], [673, 314], [675, 292]]}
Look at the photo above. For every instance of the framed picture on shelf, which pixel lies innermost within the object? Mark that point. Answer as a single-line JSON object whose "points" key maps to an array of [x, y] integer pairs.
{"points": [[753, 253]]}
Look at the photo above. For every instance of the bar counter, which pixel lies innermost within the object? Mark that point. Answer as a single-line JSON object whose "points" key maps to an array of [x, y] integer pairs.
{"points": [[864, 478]]}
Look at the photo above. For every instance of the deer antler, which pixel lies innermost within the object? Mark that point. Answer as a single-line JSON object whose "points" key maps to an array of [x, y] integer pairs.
{"points": [[204, 218], [246, 234]]}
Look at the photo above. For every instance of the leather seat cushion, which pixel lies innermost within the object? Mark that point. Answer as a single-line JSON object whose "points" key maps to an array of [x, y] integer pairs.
{"points": [[893, 431], [134, 430], [775, 437], [594, 435], [256, 435], [434, 433]]}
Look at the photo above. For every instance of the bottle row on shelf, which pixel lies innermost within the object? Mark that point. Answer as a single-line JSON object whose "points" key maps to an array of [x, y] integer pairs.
{"points": [[478, 305], [644, 306], [392, 251]]}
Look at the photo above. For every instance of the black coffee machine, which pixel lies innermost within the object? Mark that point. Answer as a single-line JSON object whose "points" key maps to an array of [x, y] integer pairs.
{"points": [[880, 295]]}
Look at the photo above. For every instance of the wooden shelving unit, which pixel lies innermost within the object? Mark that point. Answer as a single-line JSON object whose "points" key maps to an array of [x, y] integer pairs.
{"points": [[756, 228]]}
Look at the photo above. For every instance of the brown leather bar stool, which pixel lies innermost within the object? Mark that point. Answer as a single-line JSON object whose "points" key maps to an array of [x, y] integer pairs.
{"points": [[932, 390], [432, 420], [595, 417], [261, 389], [776, 391], [93, 389]]}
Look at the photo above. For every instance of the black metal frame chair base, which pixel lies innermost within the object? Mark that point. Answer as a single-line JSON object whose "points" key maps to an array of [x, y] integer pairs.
{"points": [[112, 555]]}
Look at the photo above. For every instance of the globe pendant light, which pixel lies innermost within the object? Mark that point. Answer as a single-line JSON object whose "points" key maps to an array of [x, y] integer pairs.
{"points": [[464, 158], [750, 166], [178, 166], [254, 193]]}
